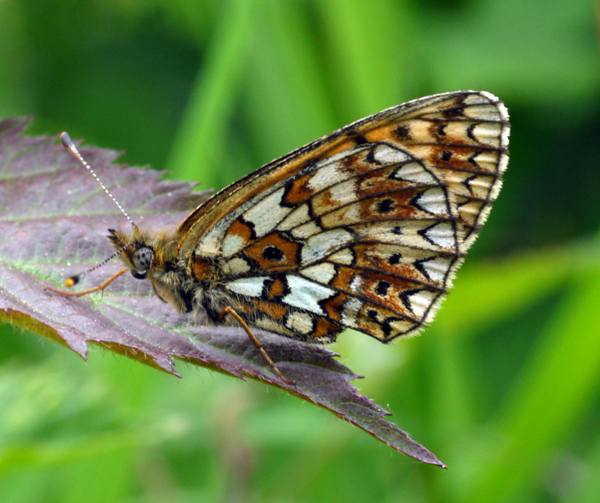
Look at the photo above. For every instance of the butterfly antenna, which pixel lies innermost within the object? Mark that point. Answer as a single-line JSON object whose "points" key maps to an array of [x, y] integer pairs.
{"points": [[72, 149], [74, 152], [73, 280]]}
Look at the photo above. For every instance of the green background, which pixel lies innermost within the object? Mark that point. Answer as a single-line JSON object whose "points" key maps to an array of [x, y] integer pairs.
{"points": [[504, 386]]}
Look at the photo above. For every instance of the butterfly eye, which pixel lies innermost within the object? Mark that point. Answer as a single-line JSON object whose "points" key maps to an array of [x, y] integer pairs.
{"points": [[142, 260]]}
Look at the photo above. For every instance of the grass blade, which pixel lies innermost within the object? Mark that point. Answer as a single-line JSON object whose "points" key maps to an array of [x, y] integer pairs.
{"points": [[197, 150]]}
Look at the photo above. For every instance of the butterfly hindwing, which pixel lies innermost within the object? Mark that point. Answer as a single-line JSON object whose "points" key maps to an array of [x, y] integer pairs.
{"points": [[363, 228], [296, 305]]}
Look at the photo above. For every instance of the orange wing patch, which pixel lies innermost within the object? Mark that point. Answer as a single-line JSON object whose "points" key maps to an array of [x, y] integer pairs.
{"points": [[274, 252]]}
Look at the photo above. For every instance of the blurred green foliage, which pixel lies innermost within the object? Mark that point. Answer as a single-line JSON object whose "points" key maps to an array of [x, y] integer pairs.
{"points": [[504, 386]]}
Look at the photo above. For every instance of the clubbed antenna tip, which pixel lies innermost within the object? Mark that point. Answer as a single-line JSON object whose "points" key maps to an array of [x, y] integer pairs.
{"points": [[71, 281], [72, 149], [68, 143]]}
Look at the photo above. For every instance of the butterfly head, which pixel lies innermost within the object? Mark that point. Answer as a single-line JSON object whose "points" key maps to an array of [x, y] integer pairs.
{"points": [[135, 250], [145, 254]]}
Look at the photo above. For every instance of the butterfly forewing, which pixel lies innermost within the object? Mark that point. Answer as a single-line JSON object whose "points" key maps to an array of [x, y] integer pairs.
{"points": [[363, 228]]}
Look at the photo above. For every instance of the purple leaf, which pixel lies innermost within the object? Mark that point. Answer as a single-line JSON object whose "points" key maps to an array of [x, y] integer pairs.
{"points": [[53, 219]]}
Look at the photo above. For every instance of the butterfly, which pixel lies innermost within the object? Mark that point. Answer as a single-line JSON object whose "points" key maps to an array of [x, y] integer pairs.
{"points": [[363, 228]]}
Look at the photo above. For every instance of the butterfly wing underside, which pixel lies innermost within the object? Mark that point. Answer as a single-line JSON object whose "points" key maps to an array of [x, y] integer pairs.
{"points": [[363, 228]]}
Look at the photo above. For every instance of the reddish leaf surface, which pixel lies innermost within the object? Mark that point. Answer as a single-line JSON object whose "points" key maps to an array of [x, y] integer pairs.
{"points": [[53, 221]]}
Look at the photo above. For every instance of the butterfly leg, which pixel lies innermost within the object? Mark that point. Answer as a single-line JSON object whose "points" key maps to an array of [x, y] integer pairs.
{"points": [[256, 342], [87, 291]]}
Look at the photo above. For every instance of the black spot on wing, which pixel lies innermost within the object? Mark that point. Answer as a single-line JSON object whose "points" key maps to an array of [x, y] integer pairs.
{"points": [[394, 259], [382, 288], [453, 112], [356, 137], [385, 205], [272, 253], [386, 326], [402, 132], [446, 155]]}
